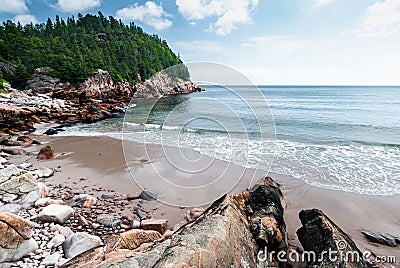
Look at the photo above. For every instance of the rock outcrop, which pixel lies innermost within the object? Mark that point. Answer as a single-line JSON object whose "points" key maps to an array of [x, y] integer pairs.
{"points": [[99, 97], [230, 233], [332, 247], [42, 83], [161, 84]]}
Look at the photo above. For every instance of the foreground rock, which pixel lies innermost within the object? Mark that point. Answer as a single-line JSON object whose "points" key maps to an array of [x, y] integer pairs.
{"points": [[15, 238], [321, 236], [221, 237]]}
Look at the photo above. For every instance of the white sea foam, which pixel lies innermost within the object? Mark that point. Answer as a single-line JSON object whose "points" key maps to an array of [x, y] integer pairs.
{"points": [[365, 169]]}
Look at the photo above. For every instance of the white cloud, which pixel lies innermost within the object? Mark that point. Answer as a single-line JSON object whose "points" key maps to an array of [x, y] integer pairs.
{"points": [[229, 13], [381, 19], [319, 3], [77, 5], [13, 6], [150, 13], [25, 19]]}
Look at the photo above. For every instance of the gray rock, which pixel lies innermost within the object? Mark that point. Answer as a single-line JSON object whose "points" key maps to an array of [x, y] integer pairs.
{"points": [[11, 208], [9, 171], [30, 199], [384, 239], [42, 202], [147, 195], [57, 240], [136, 224], [78, 243], [83, 201], [9, 197], [66, 232], [51, 260], [3, 160], [108, 220], [25, 165], [56, 213], [17, 252], [18, 184]]}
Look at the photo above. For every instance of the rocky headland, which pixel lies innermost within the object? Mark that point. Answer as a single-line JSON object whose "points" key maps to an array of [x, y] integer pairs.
{"points": [[46, 99]]}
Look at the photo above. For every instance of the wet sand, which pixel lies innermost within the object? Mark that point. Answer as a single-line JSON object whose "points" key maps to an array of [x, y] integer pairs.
{"points": [[101, 160]]}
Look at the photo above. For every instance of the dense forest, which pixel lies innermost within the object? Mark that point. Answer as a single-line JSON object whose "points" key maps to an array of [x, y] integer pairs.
{"points": [[76, 48]]}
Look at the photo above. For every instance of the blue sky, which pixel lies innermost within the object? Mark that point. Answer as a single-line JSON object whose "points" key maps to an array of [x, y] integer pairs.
{"points": [[275, 42]]}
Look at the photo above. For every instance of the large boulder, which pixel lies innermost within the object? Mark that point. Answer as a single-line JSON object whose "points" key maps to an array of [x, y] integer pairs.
{"points": [[320, 235], [15, 238], [56, 213], [46, 153]]}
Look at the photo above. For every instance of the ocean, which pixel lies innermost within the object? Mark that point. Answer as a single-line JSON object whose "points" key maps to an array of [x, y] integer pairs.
{"points": [[344, 138]]}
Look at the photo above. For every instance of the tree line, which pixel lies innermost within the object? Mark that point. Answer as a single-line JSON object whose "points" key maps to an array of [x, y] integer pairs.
{"points": [[77, 47]]}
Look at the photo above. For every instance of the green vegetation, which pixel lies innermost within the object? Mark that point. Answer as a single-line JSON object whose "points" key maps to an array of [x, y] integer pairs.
{"points": [[76, 48], [3, 89]]}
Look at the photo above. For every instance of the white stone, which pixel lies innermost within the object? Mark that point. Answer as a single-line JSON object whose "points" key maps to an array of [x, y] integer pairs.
{"points": [[42, 202], [56, 213], [57, 240], [42, 172], [25, 165], [51, 260], [79, 243]]}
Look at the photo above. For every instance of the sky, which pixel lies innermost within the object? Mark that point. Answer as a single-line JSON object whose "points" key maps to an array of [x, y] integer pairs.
{"points": [[273, 42]]}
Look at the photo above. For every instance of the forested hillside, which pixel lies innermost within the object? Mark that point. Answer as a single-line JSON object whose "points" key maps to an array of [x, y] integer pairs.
{"points": [[77, 47]]}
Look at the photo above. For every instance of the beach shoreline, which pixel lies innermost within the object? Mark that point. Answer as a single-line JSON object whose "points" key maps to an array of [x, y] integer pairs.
{"points": [[100, 159]]}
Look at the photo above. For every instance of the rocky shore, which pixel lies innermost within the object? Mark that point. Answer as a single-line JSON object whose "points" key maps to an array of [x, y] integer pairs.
{"points": [[46, 99], [46, 224]]}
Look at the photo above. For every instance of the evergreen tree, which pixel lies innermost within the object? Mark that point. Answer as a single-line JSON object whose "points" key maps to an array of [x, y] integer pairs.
{"points": [[77, 48]]}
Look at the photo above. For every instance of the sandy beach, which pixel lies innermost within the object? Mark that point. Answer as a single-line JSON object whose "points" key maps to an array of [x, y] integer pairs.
{"points": [[101, 161]]}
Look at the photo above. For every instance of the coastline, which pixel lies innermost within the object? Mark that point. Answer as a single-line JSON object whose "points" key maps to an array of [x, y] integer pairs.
{"points": [[101, 161]]}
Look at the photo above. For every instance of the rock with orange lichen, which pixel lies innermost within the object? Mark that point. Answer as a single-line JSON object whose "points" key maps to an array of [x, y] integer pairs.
{"points": [[15, 238], [83, 201]]}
